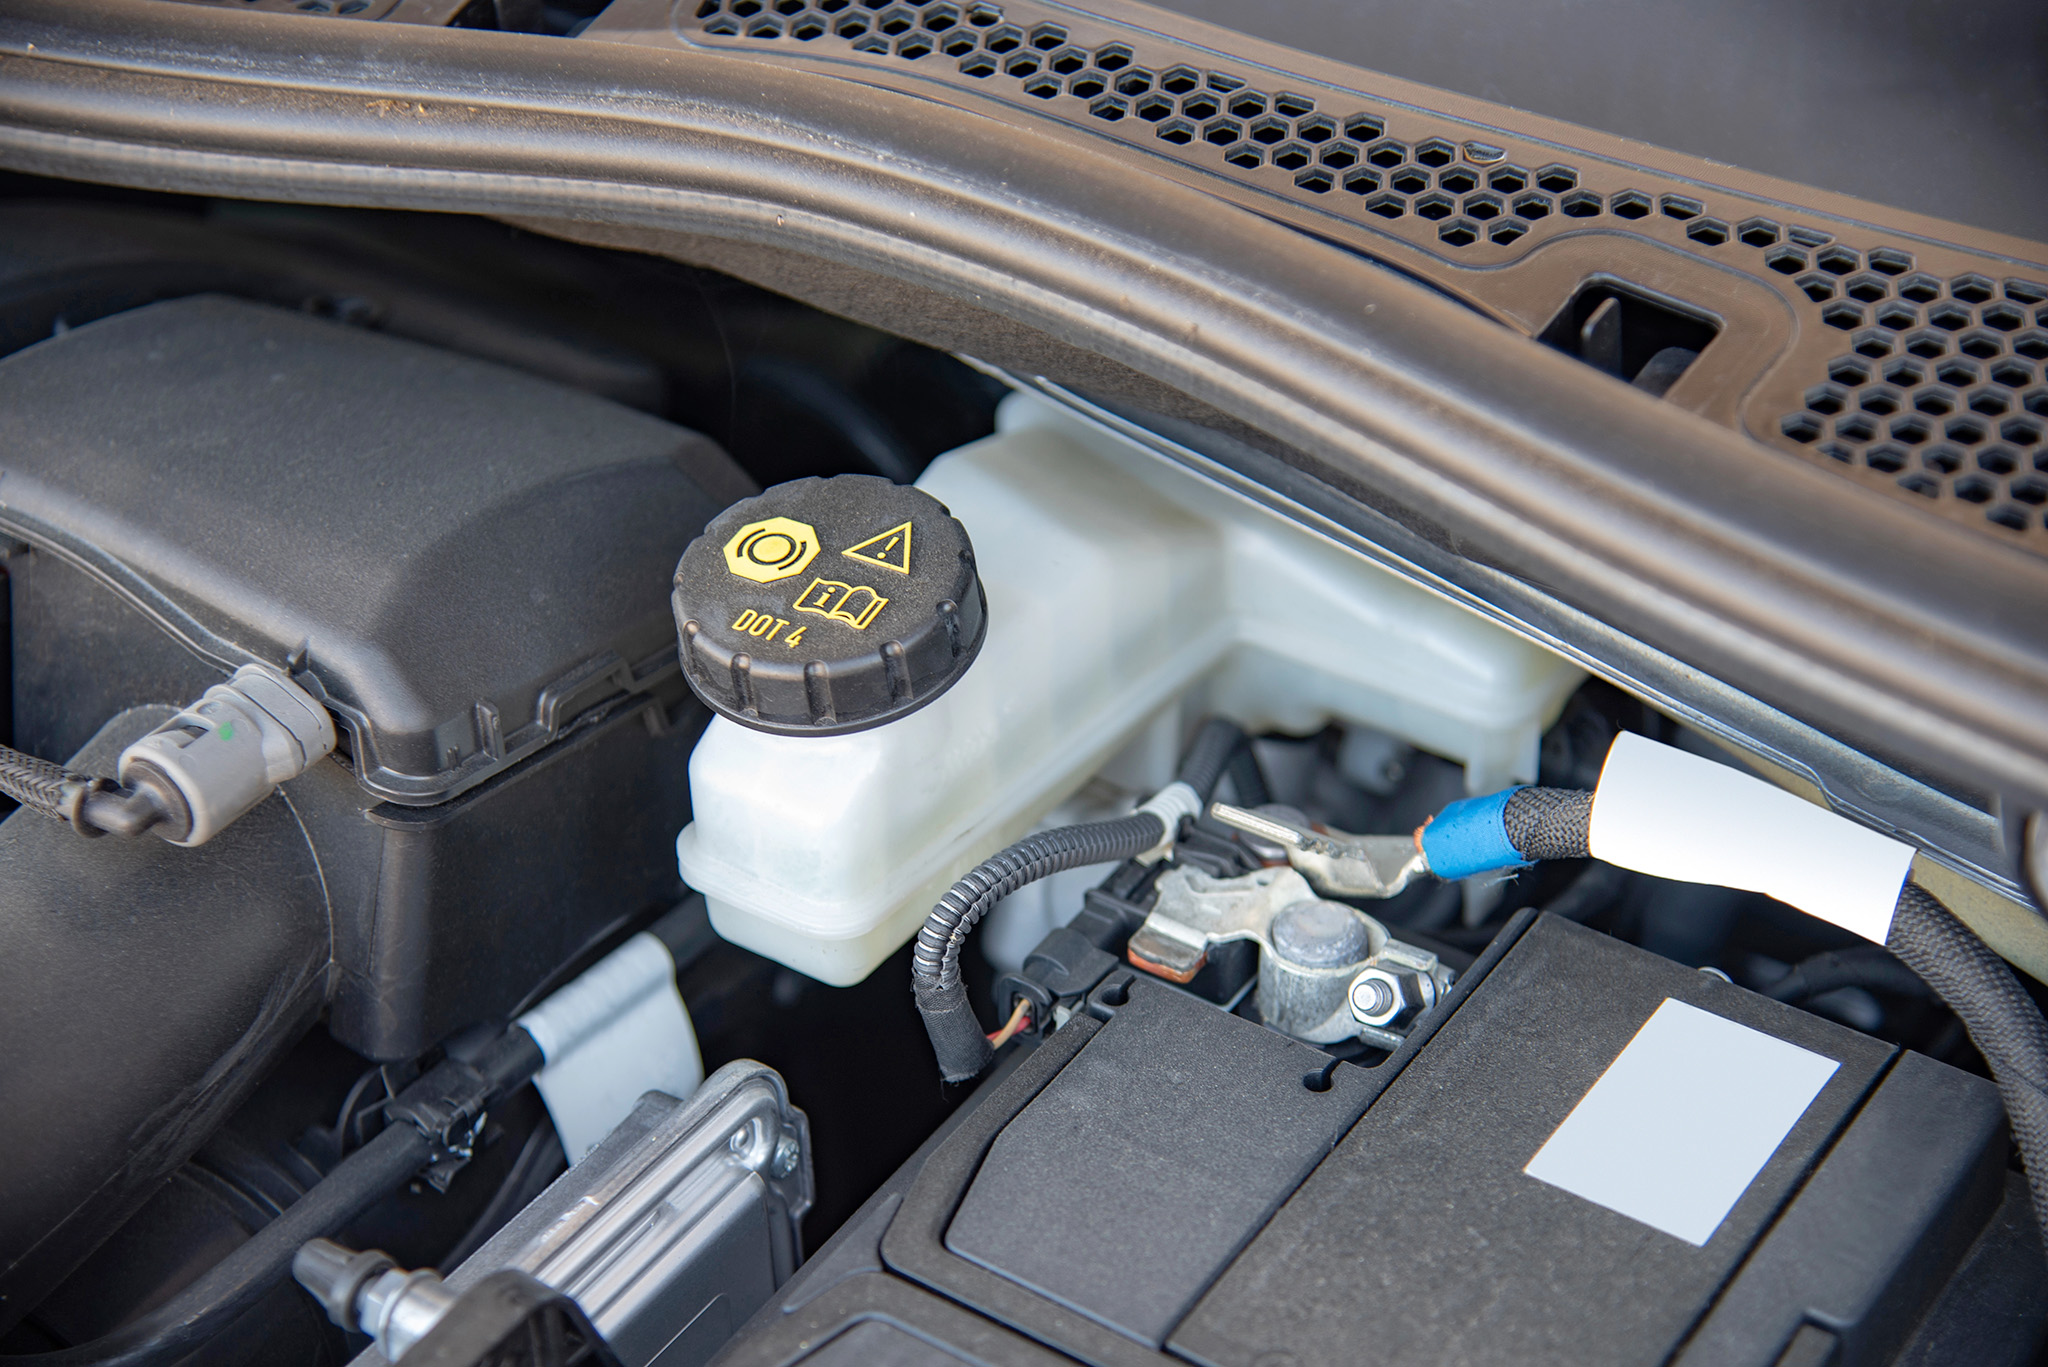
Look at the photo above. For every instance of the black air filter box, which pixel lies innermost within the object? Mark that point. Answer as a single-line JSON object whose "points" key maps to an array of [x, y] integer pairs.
{"points": [[470, 565]]}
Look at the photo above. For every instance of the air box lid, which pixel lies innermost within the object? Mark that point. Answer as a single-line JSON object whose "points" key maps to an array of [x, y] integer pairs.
{"points": [[462, 559]]}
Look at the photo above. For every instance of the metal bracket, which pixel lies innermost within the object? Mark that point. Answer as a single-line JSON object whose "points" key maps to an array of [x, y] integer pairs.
{"points": [[1337, 863], [1194, 912]]}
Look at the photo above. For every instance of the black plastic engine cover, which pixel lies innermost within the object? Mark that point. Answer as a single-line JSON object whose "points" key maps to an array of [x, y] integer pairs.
{"points": [[1175, 1185], [471, 564], [459, 556]]}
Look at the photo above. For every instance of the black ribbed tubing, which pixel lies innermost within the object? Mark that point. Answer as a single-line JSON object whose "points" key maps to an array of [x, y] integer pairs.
{"points": [[956, 1034], [2002, 1019], [1209, 754], [1247, 778], [1867, 966], [957, 1037], [1221, 747]]}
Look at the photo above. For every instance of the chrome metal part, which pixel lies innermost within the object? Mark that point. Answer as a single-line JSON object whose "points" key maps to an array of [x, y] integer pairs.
{"points": [[368, 1293], [334, 1274], [678, 1227], [788, 1154], [1312, 952], [398, 1308], [1336, 863], [1389, 998], [1395, 991], [415, 1317]]}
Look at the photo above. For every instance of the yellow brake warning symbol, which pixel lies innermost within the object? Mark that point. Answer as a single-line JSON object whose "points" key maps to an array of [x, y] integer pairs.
{"points": [[890, 549], [853, 604], [773, 549]]}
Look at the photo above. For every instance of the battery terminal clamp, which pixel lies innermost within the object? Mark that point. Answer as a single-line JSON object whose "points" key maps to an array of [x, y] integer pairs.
{"points": [[1336, 863], [1327, 971]]}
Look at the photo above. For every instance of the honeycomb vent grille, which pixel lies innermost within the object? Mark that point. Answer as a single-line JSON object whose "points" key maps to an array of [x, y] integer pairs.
{"points": [[1457, 194], [1443, 192], [1939, 395], [1941, 387]]}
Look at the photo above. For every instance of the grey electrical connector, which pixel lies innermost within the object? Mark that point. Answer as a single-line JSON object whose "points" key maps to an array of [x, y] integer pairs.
{"points": [[195, 774], [227, 752]]}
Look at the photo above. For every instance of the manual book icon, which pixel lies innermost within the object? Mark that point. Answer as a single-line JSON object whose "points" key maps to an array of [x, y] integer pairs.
{"points": [[853, 604], [890, 549]]}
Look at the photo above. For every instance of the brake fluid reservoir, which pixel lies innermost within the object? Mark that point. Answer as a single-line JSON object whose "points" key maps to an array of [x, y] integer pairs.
{"points": [[797, 616], [1116, 582]]}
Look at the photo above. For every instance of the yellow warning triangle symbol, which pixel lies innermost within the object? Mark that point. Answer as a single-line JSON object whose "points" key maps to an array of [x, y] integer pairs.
{"points": [[890, 549]]}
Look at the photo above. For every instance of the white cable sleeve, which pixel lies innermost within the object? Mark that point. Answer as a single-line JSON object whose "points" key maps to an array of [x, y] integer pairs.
{"points": [[617, 1031], [1662, 811]]}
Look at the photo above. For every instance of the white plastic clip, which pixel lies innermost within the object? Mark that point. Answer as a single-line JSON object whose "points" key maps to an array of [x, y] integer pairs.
{"points": [[1170, 804]]}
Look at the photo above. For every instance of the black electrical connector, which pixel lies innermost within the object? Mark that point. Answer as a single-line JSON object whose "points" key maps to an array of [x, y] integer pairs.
{"points": [[957, 1036], [1065, 966]]}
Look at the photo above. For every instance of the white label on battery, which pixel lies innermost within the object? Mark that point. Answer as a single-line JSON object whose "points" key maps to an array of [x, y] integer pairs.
{"points": [[1662, 811], [1682, 1121]]}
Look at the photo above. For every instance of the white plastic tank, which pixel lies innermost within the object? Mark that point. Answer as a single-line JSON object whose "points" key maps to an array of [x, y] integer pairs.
{"points": [[1127, 597]]}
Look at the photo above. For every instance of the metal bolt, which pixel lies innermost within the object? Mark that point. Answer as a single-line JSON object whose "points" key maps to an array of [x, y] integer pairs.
{"points": [[1390, 999], [787, 1154], [368, 1293], [335, 1275], [1373, 997]]}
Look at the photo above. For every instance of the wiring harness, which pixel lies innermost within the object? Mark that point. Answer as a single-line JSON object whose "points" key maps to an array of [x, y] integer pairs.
{"points": [[963, 1048]]}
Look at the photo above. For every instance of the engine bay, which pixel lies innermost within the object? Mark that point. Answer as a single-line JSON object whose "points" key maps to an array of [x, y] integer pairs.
{"points": [[571, 740]]}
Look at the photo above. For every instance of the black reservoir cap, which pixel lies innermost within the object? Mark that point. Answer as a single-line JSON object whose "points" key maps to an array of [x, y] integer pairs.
{"points": [[825, 606]]}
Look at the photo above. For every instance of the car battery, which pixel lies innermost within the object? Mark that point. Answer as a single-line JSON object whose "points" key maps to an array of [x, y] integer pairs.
{"points": [[1586, 1154]]}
